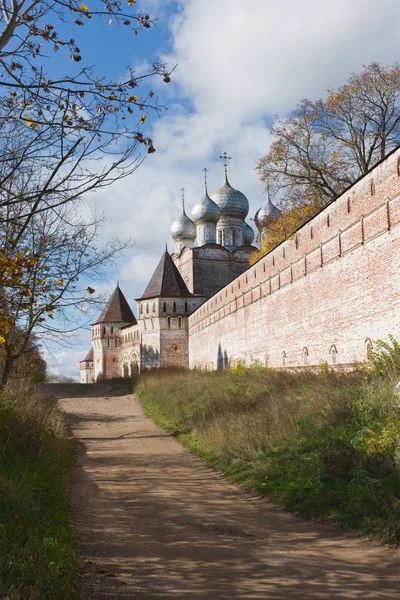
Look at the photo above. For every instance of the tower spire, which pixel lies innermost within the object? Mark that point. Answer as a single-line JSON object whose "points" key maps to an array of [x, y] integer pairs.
{"points": [[225, 158], [205, 170], [182, 190]]}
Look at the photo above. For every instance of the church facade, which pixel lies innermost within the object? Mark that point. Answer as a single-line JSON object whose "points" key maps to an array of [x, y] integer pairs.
{"points": [[323, 296]]}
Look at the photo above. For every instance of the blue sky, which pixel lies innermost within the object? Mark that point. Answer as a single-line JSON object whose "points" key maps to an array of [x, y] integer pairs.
{"points": [[239, 64]]}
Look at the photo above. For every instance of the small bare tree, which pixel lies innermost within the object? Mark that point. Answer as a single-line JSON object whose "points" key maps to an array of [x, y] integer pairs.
{"points": [[46, 293]]}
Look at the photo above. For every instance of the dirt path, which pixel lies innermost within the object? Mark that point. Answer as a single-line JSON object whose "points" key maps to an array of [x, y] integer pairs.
{"points": [[154, 522]]}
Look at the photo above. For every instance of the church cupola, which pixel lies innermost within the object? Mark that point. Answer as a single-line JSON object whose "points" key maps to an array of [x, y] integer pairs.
{"points": [[183, 230], [206, 214], [234, 207], [248, 235], [266, 215]]}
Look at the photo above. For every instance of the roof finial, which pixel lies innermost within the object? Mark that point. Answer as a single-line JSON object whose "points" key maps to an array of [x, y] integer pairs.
{"points": [[166, 246], [182, 190], [117, 283], [205, 170], [225, 159]]}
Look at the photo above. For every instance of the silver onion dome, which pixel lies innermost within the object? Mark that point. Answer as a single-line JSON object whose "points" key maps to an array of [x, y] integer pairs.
{"points": [[183, 227], [248, 234], [231, 202], [266, 214], [206, 211]]}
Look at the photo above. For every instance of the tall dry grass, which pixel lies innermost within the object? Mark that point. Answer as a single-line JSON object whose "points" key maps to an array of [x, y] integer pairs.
{"points": [[37, 560], [322, 443]]}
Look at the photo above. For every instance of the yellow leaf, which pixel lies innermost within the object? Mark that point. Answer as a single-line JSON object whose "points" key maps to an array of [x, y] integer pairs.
{"points": [[60, 282], [110, 21], [84, 8], [2, 339], [131, 2], [132, 99], [143, 118], [32, 124], [112, 97]]}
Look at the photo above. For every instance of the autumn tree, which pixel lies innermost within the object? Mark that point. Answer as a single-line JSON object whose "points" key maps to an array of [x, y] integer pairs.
{"points": [[324, 146], [47, 292], [80, 128]]}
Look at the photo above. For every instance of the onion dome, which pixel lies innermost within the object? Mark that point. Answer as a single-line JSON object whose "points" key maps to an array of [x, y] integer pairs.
{"points": [[206, 211], [183, 227], [266, 214], [248, 234], [231, 202]]}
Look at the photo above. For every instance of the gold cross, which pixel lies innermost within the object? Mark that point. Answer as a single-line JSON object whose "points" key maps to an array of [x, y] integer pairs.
{"points": [[225, 158]]}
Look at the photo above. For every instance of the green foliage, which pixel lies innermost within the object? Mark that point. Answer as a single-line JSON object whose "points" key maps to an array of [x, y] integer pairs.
{"points": [[324, 444], [385, 361], [36, 539]]}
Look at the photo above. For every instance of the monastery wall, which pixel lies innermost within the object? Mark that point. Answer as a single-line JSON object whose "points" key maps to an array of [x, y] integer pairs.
{"points": [[326, 295]]}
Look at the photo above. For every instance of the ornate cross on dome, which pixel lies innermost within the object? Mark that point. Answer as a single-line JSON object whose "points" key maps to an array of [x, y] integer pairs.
{"points": [[225, 159], [205, 170], [182, 190]]}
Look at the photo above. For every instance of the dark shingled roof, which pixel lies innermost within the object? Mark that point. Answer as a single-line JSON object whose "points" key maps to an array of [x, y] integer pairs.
{"points": [[117, 310], [89, 356], [166, 281]]}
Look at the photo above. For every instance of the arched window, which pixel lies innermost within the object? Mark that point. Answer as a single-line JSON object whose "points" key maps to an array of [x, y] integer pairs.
{"points": [[112, 329], [147, 308], [220, 237], [333, 353], [164, 306], [233, 237], [108, 342], [154, 307], [305, 356], [180, 322], [186, 307], [328, 221], [174, 307], [141, 309], [169, 322], [283, 359], [348, 205], [104, 330]]}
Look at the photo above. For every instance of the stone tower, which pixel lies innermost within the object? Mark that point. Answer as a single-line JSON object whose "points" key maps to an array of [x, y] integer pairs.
{"points": [[106, 337], [163, 313]]}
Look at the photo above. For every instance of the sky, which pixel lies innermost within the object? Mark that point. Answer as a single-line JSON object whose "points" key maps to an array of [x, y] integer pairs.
{"points": [[239, 64]]}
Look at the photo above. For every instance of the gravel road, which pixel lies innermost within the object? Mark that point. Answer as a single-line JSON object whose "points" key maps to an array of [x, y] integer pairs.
{"points": [[153, 521]]}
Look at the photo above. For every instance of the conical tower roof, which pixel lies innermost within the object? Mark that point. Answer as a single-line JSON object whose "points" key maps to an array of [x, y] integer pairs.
{"points": [[166, 281], [117, 310], [89, 356]]}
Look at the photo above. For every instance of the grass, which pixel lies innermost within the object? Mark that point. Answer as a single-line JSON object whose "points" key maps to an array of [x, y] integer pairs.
{"points": [[36, 538], [325, 444]]}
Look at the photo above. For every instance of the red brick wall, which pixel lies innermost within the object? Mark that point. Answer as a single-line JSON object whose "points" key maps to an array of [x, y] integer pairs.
{"points": [[336, 284]]}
